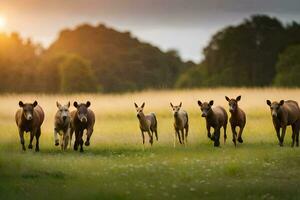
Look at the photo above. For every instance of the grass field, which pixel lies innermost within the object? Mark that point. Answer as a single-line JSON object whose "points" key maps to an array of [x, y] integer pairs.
{"points": [[116, 167]]}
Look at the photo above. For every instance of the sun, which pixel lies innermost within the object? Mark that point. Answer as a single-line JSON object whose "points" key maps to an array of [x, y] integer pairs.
{"points": [[2, 22]]}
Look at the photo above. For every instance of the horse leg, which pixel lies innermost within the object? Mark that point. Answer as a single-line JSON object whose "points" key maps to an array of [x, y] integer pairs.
{"points": [[217, 137], [21, 134], [66, 138], [208, 132], [234, 134], [143, 139], [31, 139], [182, 136], [293, 135], [225, 135], [81, 141], [76, 143], [240, 135], [150, 137], [277, 128], [156, 136], [37, 137], [89, 134], [179, 137], [282, 135], [56, 140]]}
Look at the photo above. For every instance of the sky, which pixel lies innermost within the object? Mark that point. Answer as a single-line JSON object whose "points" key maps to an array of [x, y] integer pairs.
{"points": [[184, 25]]}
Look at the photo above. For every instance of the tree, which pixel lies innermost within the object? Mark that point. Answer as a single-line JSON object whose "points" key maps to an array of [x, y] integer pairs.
{"points": [[18, 60], [76, 75], [246, 54], [194, 77], [288, 68], [120, 62]]}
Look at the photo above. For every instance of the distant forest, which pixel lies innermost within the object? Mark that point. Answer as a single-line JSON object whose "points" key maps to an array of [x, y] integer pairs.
{"points": [[260, 51]]}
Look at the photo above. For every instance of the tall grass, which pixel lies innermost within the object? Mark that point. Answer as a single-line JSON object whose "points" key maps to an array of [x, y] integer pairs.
{"points": [[116, 167]]}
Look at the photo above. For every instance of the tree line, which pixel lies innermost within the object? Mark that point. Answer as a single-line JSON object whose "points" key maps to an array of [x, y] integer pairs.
{"points": [[260, 51]]}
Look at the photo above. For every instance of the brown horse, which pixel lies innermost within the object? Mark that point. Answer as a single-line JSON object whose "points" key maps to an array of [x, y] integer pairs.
{"points": [[217, 118], [82, 119], [237, 119], [29, 119], [285, 113]]}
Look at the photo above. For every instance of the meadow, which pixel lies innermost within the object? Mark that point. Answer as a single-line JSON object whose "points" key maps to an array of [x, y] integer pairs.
{"points": [[115, 166]]}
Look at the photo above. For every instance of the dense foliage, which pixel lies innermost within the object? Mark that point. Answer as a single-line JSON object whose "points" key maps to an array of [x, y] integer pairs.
{"points": [[119, 61], [260, 51], [243, 55], [288, 68]]}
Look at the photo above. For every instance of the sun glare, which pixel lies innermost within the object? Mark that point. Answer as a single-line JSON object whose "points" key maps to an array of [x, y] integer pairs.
{"points": [[2, 22]]}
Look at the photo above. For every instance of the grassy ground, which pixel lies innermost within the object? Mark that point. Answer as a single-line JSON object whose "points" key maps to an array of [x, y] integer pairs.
{"points": [[116, 167]]}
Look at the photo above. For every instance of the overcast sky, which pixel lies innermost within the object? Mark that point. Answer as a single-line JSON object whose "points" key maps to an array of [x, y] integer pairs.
{"points": [[185, 25]]}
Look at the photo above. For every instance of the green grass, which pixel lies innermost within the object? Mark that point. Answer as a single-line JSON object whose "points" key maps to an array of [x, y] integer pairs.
{"points": [[116, 167], [126, 172]]}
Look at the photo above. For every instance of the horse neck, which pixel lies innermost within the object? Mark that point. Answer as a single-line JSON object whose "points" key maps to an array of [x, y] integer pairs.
{"points": [[142, 118]]}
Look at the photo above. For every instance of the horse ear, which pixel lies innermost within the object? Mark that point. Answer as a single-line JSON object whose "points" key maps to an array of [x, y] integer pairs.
{"points": [[281, 102], [238, 98], [58, 105], [211, 102], [136, 105], [171, 104], [35, 103], [226, 97], [75, 104], [199, 103], [69, 104], [143, 105], [88, 104], [180, 104], [269, 102], [21, 104]]}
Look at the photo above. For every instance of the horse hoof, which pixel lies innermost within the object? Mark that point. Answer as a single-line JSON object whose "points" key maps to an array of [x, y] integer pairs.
{"points": [[217, 143], [87, 143], [240, 140], [37, 149], [30, 146], [81, 150], [281, 144]]}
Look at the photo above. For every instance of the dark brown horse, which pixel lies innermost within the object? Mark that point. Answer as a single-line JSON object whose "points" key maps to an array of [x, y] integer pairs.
{"points": [[285, 113], [29, 119], [217, 118], [82, 119]]}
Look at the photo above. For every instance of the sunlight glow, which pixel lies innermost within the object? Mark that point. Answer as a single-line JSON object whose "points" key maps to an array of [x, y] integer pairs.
{"points": [[2, 22]]}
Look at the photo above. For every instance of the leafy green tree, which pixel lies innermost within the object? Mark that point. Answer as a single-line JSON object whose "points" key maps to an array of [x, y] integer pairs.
{"points": [[288, 68], [18, 59], [76, 75], [120, 61], [246, 54], [194, 77]]}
